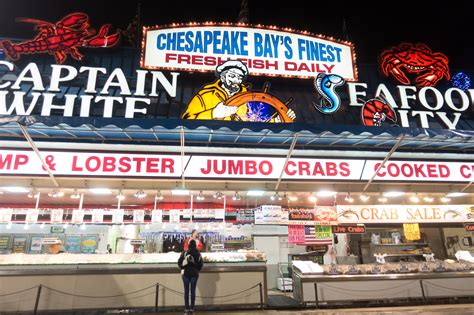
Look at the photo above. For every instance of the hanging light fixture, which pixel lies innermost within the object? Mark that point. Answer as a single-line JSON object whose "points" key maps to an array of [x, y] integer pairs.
{"points": [[200, 196], [293, 197], [364, 197], [120, 195], [140, 194], [236, 196], [428, 199], [33, 193], [349, 198], [312, 198], [276, 196], [218, 195], [75, 194], [159, 196], [382, 199], [56, 194], [415, 198], [445, 199]]}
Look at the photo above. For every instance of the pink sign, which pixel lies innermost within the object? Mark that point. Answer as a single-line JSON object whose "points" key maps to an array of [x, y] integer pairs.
{"points": [[296, 234]]}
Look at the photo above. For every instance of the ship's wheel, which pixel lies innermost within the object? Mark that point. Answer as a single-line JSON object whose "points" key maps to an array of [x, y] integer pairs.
{"points": [[260, 106]]}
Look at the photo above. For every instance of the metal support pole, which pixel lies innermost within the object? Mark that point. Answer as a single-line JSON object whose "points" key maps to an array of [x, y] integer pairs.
{"points": [[37, 300], [316, 298], [261, 295], [157, 295], [423, 291]]}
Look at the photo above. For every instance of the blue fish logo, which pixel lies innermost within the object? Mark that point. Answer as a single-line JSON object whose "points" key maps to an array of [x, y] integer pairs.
{"points": [[325, 85]]}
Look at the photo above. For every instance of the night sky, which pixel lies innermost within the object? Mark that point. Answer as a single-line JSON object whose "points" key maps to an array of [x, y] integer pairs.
{"points": [[372, 27]]}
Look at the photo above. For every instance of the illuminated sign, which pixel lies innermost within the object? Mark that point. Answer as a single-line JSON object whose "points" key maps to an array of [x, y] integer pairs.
{"points": [[423, 107], [381, 214], [110, 164], [266, 51], [349, 229], [229, 98], [62, 38], [116, 92], [407, 63]]}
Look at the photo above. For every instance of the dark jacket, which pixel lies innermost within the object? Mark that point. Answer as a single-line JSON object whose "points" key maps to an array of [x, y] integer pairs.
{"points": [[192, 268]]}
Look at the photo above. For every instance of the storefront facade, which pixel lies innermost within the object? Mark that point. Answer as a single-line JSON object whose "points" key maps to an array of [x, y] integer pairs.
{"points": [[273, 143]]}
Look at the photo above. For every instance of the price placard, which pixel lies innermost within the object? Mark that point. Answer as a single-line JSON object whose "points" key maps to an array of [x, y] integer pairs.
{"points": [[138, 216], [57, 216]]}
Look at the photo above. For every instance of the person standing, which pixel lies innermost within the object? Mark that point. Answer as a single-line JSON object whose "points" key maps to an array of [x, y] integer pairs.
{"points": [[190, 262], [194, 236]]}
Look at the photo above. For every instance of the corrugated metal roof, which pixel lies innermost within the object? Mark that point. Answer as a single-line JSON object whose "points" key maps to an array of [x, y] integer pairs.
{"points": [[234, 134]]}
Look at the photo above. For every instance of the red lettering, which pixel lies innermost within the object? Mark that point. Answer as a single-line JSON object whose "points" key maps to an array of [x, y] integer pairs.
{"points": [[318, 169], [167, 165], [431, 168], [380, 173], [207, 170], [251, 167], [465, 171], [90, 163], [20, 159], [109, 164], [444, 171], [393, 170], [345, 170], [265, 165], [303, 167], [331, 169], [287, 169], [236, 167], [419, 170], [75, 168], [407, 171], [139, 163], [6, 161], [124, 165], [152, 165], [184, 58]]}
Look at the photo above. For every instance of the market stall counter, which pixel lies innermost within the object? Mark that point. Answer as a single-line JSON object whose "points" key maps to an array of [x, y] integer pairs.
{"points": [[376, 282], [112, 281]]}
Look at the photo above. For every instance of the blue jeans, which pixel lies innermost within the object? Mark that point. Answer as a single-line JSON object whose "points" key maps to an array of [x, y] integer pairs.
{"points": [[187, 283]]}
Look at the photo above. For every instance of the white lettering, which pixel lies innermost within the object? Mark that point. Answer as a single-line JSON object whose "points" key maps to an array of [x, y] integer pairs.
{"points": [[449, 99], [18, 104], [353, 93], [120, 83], [450, 124], [35, 78], [9, 65], [386, 95], [108, 104], [424, 101], [92, 77], [130, 109], [56, 76], [68, 108], [423, 117], [402, 91], [169, 87]]}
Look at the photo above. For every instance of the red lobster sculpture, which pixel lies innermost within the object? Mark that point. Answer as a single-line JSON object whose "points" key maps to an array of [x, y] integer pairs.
{"points": [[64, 37]]}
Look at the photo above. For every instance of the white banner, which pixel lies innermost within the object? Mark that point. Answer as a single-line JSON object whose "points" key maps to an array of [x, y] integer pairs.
{"points": [[6, 215], [91, 164], [405, 214], [138, 216], [265, 51], [174, 216], [157, 216], [77, 216], [57, 216], [97, 216], [269, 214], [117, 216], [32, 216], [85, 164], [420, 171], [271, 167]]}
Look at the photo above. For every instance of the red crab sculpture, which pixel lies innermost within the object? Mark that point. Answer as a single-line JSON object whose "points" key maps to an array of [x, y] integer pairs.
{"points": [[427, 67], [64, 37]]}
